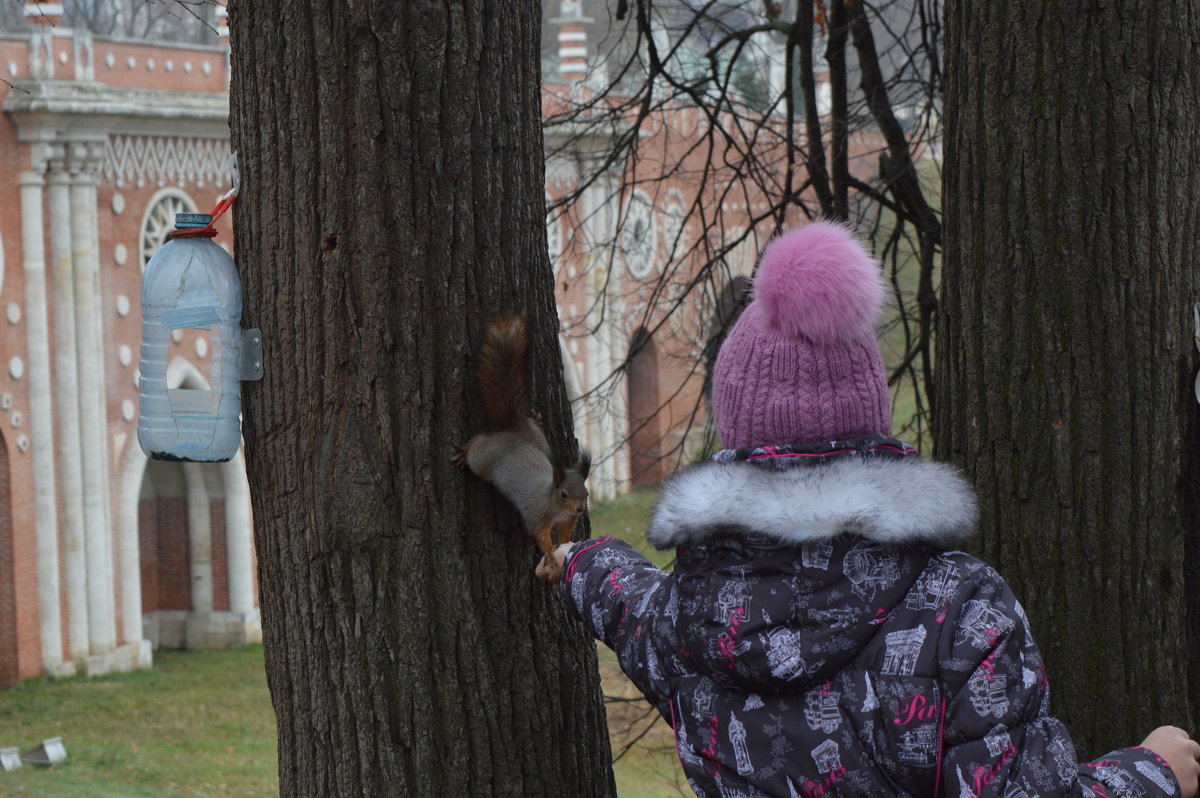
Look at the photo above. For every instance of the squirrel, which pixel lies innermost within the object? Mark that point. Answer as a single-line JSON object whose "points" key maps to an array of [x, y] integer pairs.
{"points": [[516, 457]]}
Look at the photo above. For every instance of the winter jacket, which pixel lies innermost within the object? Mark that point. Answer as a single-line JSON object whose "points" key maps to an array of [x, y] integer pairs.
{"points": [[817, 637]]}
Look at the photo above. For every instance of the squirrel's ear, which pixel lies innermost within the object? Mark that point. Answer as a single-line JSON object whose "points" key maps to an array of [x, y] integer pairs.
{"points": [[585, 463], [560, 472]]}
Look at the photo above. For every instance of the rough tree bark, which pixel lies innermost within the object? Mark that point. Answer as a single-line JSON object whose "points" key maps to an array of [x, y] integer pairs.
{"points": [[1065, 355], [392, 199]]}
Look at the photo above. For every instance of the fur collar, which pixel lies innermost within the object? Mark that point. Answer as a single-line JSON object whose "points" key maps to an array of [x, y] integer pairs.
{"points": [[892, 500]]}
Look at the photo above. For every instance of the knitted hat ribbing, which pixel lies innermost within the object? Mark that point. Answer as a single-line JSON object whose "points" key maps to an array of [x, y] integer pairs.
{"points": [[802, 364]]}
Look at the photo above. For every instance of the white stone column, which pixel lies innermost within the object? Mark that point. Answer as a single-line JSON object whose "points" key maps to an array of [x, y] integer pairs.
{"points": [[199, 515], [604, 350], [66, 377], [40, 420], [93, 417], [239, 541], [128, 546]]}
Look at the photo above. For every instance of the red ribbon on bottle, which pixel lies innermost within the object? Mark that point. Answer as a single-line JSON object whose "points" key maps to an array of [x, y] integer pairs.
{"points": [[217, 212]]}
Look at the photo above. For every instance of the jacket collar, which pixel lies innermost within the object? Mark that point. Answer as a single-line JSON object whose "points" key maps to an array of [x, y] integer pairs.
{"points": [[873, 487]]}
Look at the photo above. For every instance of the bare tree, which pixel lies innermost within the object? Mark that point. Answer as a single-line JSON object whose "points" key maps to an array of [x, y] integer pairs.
{"points": [[190, 21], [735, 120]]}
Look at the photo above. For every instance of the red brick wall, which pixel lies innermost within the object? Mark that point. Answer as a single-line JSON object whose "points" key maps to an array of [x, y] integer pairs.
{"points": [[148, 554], [220, 556], [8, 599], [165, 555], [24, 562], [645, 430]]}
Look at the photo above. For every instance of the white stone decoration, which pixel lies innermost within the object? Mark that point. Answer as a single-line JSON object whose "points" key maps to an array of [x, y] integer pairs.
{"points": [[122, 305], [14, 313], [673, 223], [138, 159], [120, 254], [207, 68], [187, 67], [561, 172], [149, 64], [124, 354], [128, 411], [159, 220], [12, 68], [16, 367], [22, 443], [41, 53], [201, 347], [554, 237], [15, 419], [638, 236], [130, 62], [118, 203], [177, 336], [62, 57], [137, 379], [6, 401], [169, 66], [110, 60]]}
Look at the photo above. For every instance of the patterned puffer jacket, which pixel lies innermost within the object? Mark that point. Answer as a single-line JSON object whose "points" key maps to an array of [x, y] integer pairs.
{"points": [[817, 638]]}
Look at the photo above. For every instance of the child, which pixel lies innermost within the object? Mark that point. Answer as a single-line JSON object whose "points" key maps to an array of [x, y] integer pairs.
{"points": [[818, 636]]}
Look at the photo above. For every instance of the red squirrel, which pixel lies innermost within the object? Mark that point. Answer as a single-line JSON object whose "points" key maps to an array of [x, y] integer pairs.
{"points": [[516, 457]]}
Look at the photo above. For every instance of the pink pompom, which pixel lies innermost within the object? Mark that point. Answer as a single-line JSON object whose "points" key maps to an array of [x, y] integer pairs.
{"points": [[819, 283]]}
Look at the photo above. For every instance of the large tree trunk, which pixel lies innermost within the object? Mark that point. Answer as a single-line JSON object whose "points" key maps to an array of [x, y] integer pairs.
{"points": [[1065, 355], [392, 199]]}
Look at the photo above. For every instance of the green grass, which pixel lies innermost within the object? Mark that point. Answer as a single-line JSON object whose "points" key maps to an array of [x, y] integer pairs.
{"points": [[627, 517], [650, 767], [197, 724]]}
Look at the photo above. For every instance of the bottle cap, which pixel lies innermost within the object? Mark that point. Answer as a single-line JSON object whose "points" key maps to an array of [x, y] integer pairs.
{"points": [[187, 220]]}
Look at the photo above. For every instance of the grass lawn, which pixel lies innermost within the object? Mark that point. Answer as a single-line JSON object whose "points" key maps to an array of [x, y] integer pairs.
{"points": [[196, 724], [199, 723], [642, 743]]}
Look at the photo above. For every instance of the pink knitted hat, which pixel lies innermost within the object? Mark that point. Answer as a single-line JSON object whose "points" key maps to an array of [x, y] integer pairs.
{"points": [[801, 365]]}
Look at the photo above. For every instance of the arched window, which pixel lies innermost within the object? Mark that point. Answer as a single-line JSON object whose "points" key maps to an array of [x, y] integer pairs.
{"points": [[160, 219]]}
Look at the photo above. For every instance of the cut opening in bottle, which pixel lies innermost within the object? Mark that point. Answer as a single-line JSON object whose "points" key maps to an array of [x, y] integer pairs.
{"points": [[207, 360]]}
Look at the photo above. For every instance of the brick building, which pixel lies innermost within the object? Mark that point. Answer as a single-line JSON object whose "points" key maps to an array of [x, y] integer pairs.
{"points": [[105, 554]]}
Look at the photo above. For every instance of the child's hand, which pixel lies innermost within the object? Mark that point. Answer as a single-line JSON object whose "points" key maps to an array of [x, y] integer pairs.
{"points": [[550, 568], [1181, 752]]}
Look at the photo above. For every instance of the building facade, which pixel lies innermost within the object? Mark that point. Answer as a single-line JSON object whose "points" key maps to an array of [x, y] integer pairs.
{"points": [[103, 553]]}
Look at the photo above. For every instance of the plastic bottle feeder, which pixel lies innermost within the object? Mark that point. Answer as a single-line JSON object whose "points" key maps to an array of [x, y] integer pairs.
{"points": [[191, 283]]}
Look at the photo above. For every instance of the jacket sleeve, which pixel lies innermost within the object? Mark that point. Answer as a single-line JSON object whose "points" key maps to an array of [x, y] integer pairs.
{"points": [[998, 736], [619, 596]]}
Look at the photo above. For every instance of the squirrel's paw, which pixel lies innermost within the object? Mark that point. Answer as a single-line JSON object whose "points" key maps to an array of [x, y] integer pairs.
{"points": [[459, 458]]}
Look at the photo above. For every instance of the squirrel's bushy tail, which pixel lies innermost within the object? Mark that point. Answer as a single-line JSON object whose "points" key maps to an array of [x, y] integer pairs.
{"points": [[502, 371]]}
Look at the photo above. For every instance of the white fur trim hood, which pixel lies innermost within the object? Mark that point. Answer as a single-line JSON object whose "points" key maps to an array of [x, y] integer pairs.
{"points": [[885, 500]]}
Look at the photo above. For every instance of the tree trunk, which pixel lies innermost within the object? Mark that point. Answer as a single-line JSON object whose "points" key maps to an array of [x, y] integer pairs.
{"points": [[1065, 353], [392, 200]]}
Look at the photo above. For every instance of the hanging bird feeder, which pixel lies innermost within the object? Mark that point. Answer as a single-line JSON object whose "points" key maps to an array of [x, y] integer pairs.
{"points": [[191, 283]]}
